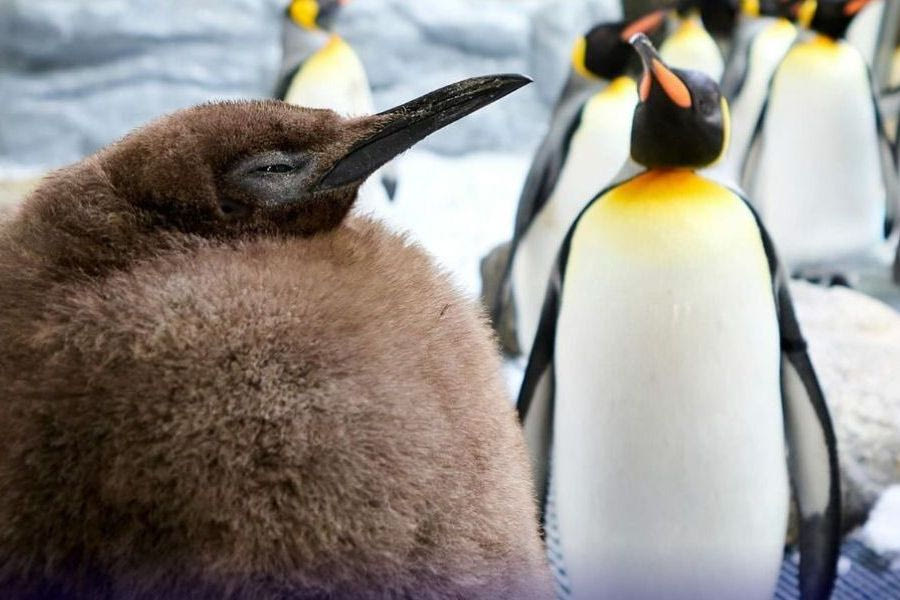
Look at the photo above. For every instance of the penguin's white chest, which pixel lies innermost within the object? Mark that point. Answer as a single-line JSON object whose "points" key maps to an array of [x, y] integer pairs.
{"points": [[691, 47], [332, 78], [668, 452], [597, 151], [818, 184], [765, 53]]}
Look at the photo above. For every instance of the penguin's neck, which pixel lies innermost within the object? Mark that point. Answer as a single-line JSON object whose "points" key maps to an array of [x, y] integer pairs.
{"points": [[620, 85]]}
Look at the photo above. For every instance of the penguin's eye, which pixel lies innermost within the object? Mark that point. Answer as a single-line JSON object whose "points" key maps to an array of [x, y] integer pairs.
{"points": [[705, 107], [278, 168]]}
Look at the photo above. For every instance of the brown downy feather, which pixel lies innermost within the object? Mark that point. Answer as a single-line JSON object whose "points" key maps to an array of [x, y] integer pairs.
{"points": [[280, 406]]}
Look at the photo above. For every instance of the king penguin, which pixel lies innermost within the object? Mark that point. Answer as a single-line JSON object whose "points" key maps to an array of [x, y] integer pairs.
{"points": [[689, 45], [748, 73], [865, 28], [579, 155], [667, 368], [820, 166], [319, 69], [217, 384]]}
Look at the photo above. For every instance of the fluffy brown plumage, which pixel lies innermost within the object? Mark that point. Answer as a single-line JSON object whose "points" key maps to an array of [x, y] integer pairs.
{"points": [[208, 394]]}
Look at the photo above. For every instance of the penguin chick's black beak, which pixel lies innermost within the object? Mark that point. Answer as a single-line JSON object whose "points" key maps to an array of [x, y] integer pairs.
{"points": [[407, 124], [656, 69]]}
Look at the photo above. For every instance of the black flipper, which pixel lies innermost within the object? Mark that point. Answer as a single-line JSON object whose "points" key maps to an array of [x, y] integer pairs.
{"points": [[812, 445], [284, 83], [535, 404], [542, 178], [735, 73], [888, 154]]}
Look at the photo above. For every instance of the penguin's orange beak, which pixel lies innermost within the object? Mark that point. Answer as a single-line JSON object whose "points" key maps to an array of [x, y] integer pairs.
{"points": [[645, 24], [656, 69]]}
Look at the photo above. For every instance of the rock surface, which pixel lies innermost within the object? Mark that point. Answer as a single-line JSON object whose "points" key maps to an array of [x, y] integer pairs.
{"points": [[854, 343], [77, 74]]}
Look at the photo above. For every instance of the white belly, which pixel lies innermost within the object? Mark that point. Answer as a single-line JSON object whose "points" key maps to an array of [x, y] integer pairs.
{"points": [[864, 28], [766, 51], [332, 78], [691, 47], [597, 152], [668, 449], [818, 184]]}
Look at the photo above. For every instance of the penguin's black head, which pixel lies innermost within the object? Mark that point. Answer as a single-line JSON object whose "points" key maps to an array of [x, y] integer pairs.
{"points": [[234, 169], [681, 119], [832, 17], [719, 16], [785, 9], [315, 14], [603, 52]]}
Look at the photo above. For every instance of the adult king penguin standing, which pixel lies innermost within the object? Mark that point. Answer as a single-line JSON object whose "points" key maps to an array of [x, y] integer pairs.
{"points": [[667, 367]]}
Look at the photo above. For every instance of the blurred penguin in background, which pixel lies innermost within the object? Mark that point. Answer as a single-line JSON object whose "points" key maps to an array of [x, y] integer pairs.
{"points": [[820, 168], [217, 384], [865, 30], [748, 73], [690, 45], [319, 69], [581, 153]]}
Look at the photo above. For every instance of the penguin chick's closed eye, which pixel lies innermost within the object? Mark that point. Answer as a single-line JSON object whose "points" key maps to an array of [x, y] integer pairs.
{"points": [[221, 405]]}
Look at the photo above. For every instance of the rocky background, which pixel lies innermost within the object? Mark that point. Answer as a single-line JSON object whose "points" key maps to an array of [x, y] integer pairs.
{"points": [[76, 75]]}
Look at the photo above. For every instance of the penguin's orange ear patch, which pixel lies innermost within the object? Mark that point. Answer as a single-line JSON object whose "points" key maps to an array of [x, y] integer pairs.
{"points": [[854, 6], [671, 85], [645, 24]]}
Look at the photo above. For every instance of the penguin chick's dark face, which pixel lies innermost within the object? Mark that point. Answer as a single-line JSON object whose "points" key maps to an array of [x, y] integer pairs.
{"points": [[832, 17], [681, 119], [603, 52], [227, 169]]}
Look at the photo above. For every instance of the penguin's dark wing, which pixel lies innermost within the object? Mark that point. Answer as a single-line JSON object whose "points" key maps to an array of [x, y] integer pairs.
{"points": [[548, 162], [751, 158], [284, 83], [735, 73], [812, 446], [536, 402], [541, 179], [887, 154]]}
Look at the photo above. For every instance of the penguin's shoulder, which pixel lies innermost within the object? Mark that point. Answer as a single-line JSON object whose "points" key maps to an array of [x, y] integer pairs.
{"points": [[335, 54], [669, 213], [820, 52], [610, 105], [773, 38], [670, 190], [621, 89]]}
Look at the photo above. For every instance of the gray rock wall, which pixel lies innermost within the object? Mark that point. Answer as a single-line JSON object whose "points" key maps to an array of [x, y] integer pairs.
{"points": [[78, 74]]}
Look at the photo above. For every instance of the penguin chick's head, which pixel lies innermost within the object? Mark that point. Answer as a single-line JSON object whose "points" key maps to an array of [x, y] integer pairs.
{"points": [[603, 52], [233, 170], [682, 117], [315, 14], [832, 17], [785, 9]]}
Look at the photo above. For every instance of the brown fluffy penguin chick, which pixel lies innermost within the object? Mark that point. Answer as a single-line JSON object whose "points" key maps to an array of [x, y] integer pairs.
{"points": [[215, 386]]}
